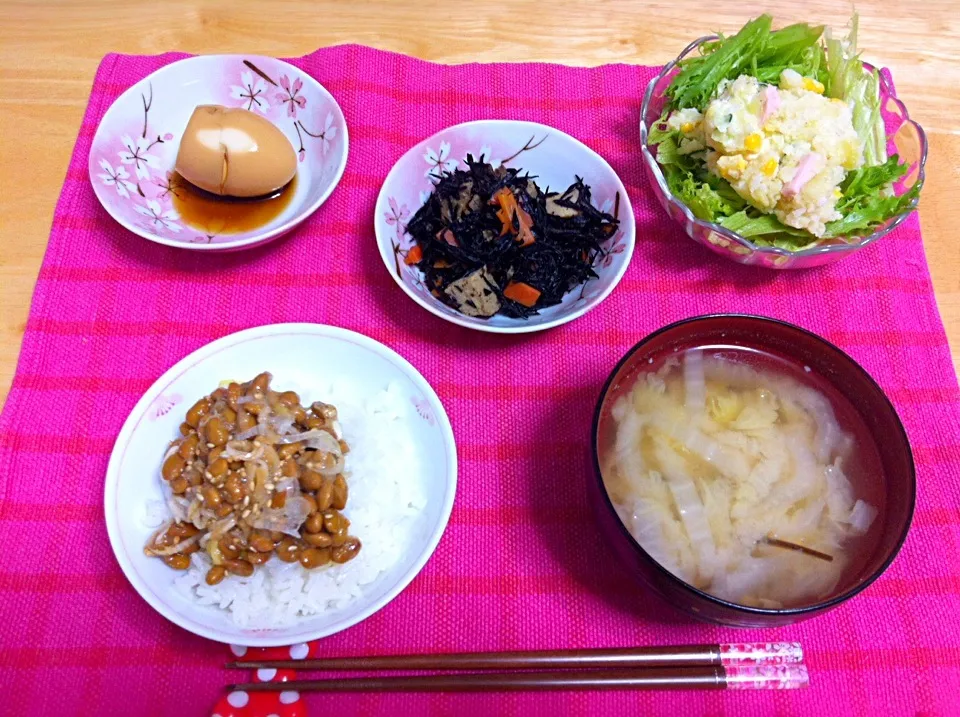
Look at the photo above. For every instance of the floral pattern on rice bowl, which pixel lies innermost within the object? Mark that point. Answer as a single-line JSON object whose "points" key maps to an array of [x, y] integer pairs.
{"points": [[135, 147]]}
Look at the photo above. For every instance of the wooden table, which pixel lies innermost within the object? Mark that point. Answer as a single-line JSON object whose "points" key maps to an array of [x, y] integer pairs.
{"points": [[49, 52]]}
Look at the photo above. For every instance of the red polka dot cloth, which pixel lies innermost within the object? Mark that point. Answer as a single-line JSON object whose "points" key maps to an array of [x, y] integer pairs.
{"points": [[521, 565]]}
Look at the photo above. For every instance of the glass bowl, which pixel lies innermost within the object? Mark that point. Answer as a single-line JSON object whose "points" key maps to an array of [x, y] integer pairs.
{"points": [[904, 137], [898, 477]]}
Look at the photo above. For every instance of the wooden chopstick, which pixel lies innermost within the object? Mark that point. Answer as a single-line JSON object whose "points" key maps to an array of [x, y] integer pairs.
{"points": [[708, 678], [621, 657], [715, 677]]}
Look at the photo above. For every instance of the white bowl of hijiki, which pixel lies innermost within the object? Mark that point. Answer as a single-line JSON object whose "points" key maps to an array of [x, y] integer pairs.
{"points": [[504, 226], [749, 471], [781, 147], [280, 484]]}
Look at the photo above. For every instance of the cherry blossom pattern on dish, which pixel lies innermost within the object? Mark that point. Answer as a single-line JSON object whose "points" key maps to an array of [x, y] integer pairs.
{"points": [[116, 177], [397, 216], [147, 227], [325, 135], [486, 154], [251, 93], [163, 404], [136, 152], [423, 409], [162, 188], [531, 145], [291, 96], [439, 161], [588, 297], [160, 219], [409, 275], [415, 279], [617, 246]]}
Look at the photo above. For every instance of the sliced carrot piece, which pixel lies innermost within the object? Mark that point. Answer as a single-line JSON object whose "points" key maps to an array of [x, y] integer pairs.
{"points": [[522, 293], [525, 235], [508, 203], [510, 209], [414, 256]]}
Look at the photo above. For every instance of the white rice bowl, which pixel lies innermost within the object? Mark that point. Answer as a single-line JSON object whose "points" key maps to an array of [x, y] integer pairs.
{"points": [[401, 472]]}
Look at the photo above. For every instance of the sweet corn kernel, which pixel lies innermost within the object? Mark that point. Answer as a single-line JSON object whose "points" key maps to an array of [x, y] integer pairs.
{"points": [[812, 85], [753, 142], [686, 127], [837, 193], [851, 154], [770, 167]]}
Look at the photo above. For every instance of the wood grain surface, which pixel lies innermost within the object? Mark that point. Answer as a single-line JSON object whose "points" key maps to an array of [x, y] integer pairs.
{"points": [[49, 52]]}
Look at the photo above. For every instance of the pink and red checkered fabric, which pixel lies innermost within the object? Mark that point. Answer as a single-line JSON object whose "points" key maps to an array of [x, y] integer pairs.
{"points": [[521, 565]]}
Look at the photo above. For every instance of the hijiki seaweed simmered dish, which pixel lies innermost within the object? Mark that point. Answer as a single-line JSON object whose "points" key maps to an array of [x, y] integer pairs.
{"points": [[255, 474], [490, 241]]}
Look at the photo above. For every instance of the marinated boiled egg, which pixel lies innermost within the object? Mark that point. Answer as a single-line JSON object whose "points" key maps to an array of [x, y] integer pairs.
{"points": [[235, 153]]}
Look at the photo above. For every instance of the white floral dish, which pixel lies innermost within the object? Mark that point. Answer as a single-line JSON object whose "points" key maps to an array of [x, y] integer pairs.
{"points": [[319, 363], [135, 146], [554, 158]]}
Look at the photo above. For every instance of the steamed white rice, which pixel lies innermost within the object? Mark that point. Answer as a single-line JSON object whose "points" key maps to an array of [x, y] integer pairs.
{"points": [[386, 495]]}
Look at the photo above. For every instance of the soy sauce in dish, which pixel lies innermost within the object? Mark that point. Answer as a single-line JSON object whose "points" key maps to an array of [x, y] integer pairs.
{"points": [[214, 214]]}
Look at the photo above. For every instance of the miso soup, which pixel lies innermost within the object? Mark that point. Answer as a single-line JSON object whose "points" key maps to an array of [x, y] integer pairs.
{"points": [[746, 476]]}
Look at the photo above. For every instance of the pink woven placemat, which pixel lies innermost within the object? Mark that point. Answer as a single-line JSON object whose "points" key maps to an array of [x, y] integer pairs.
{"points": [[521, 565]]}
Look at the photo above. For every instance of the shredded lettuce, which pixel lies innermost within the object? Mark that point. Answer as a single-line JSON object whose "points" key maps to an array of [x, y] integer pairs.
{"points": [[702, 199], [707, 196], [725, 190], [668, 150], [660, 131], [861, 90], [755, 225]]}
